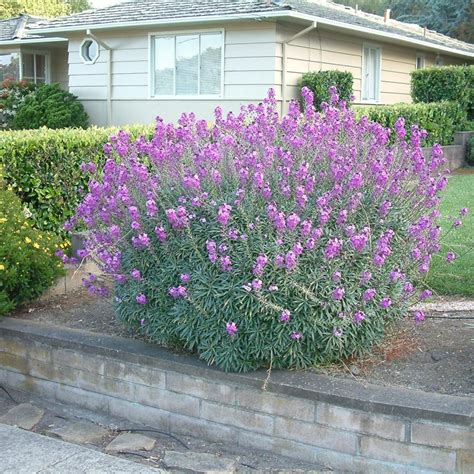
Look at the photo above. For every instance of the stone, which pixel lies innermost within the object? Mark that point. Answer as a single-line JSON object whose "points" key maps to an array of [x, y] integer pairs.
{"points": [[354, 370], [24, 416], [130, 442], [80, 432], [437, 355], [198, 462]]}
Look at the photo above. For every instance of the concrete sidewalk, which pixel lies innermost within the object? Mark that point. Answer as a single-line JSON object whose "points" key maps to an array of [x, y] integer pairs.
{"points": [[24, 452]]}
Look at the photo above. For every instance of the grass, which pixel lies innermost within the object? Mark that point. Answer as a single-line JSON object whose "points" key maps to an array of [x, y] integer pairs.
{"points": [[455, 278]]}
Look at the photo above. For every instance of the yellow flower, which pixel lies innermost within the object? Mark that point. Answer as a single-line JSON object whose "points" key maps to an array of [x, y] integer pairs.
{"points": [[27, 240], [36, 246], [2, 267], [3, 219]]}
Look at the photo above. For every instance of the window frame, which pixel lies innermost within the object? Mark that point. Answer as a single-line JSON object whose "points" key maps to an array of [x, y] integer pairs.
{"points": [[378, 81], [422, 57], [12, 52], [96, 57], [151, 64], [47, 64]]}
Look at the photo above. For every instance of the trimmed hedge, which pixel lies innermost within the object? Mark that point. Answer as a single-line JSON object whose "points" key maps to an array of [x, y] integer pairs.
{"points": [[452, 83], [319, 83], [42, 167], [440, 119]]}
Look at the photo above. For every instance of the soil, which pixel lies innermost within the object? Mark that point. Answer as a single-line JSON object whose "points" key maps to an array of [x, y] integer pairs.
{"points": [[435, 356]]}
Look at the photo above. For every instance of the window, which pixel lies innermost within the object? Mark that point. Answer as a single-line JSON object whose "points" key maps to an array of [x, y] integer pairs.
{"points": [[89, 51], [33, 66], [9, 66], [187, 64], [420, 61], [371, 73], [439, 60]]}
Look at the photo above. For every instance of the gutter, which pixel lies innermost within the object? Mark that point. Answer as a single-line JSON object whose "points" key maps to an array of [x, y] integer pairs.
{"points": [[285, 43], [262, 16], [108, 48], [19, 41]]}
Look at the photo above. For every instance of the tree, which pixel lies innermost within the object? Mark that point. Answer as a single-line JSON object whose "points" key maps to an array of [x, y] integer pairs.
{"points": [[44, 8]]}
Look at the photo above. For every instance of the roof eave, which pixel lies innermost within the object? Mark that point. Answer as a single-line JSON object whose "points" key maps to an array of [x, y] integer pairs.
{"points": [[19, 41], [260, 16]]}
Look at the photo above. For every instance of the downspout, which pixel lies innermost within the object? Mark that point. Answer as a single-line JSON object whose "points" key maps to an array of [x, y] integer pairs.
{"points": [[283, 74], [109, 73]]}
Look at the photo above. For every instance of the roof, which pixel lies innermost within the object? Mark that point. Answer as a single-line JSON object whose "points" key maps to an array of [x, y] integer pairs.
{"points": [[18, 27], [323, 11]]}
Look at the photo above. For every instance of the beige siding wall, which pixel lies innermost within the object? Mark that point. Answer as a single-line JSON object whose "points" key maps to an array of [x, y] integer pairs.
{"points": [[59, 67], [327, 50], [249, 71]]}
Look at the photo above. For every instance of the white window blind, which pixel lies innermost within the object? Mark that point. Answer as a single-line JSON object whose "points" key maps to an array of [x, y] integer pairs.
{"points": [[187, 65], [371, 74]]}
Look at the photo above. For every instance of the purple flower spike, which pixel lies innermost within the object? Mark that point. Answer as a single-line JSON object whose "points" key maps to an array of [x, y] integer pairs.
{"points": [[141, 299], [419, 316], [450, 257], [385, 303], [359, 316], [231, 329], [296, 336], [136, 275], [184, 277], [285, 315], [338, 294]]}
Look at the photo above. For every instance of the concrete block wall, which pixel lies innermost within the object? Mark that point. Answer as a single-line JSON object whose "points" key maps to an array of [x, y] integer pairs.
{"points": [[300, 415]]}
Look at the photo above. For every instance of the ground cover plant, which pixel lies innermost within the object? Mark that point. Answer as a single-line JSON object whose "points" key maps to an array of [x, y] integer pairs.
{"points": [[265, 241], [28, 264], [455, 277]]}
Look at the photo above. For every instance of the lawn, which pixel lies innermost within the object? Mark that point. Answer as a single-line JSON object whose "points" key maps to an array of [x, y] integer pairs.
{"points": [[456, 278]]}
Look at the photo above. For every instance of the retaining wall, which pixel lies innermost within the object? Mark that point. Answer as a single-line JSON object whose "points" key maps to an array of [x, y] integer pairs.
{"points": [[341, 423], [456, 153]]}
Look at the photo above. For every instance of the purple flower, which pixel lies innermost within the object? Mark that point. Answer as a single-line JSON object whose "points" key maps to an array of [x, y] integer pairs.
{"points": [[337, 332], [142, 322], [280, 260], [463, 211], [161, 233], [333, 249], [385, 303], [292, 221], [296, 336], [425, 294], [338, 294], [450, 257], [285, 315], [226, 263], [457, 223], [231, 329], [184, 277], [223, 214], [136, 275], [359, 316], [178, 292], [365, 277], [369, 294], [408, 287], [290, 260], [419, 316], [141, 241], [336, 276], [257, 284], [141, 299]]}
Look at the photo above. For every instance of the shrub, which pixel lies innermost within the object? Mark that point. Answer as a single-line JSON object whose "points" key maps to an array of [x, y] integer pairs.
{"points": [[12, 96], [440, 119], [28, 265], [451, 83], [52, 107], [470, 151], [319, 83], [265, 242], [42, 166]]}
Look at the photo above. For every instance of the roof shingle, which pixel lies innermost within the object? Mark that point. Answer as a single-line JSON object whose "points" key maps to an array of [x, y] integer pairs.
{"points": [[155, 10]]}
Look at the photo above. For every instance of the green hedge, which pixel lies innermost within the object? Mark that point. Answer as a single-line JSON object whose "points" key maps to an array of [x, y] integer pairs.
{"points": [[319, 83], [42, 167], [440, 119], [452, 83]]}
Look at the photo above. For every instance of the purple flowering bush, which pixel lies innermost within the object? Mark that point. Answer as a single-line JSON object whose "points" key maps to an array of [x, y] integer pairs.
{"points": [[265, 240]]}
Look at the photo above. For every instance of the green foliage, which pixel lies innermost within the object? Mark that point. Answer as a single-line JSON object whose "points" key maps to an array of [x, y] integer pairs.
{"points": [[440, 119], [12, 96], [52, 107], [319, 83], [44, 8], [28, 265], [470, 152], [42, 166], [453, 83]]}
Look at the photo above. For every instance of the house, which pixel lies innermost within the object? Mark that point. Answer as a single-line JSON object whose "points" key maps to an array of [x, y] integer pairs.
{"points": [[28, 56], [130, 62]]}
